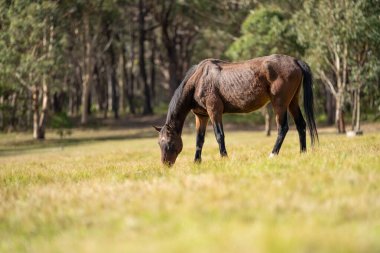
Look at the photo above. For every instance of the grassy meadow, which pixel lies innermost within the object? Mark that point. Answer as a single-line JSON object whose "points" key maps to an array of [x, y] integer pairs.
{"points": [[106, 191]]}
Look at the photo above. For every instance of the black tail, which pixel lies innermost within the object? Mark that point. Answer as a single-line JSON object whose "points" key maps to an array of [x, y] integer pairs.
{"points": [[308, 100]]}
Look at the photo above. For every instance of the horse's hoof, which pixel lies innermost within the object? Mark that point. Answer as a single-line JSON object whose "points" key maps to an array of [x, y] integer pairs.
{"points": [[272, 155], [198, 161]]}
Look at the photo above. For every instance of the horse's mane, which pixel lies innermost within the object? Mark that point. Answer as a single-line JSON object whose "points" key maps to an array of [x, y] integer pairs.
{"points": [[178, 92]]}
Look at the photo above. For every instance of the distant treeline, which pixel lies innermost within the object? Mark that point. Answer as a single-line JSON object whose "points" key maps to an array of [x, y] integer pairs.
{"points": [[81, 58]]}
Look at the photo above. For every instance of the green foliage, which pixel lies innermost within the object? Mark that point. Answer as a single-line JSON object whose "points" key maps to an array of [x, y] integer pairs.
{"points": [[198, 29], [60, 120], [62, 124], [326, 28], [266, 30]]}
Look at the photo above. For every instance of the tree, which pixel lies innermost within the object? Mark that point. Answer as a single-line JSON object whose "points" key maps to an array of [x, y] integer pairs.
{"points": [[142, 32], [365, 55], [33, 54], [265, 31], [336, 34]]}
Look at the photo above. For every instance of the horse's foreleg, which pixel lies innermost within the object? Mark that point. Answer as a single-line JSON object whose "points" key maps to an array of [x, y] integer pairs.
{"points": [[216, 119], [215, 111], [219, 135], [282, 126], [200, 124]]}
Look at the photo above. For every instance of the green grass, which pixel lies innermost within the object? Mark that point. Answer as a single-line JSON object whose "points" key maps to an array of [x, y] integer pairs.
{"points": [[107, 192]]}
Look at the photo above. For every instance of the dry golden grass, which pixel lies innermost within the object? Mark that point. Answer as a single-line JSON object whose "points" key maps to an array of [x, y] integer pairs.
{"points": [[107, 192]]}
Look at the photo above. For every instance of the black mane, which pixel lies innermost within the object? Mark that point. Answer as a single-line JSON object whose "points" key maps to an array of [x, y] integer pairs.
{"points": [[176, 99]]}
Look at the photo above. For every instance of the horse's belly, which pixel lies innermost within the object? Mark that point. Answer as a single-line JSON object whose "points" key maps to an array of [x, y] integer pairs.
{"points": [[246, 99], [244, 107]]}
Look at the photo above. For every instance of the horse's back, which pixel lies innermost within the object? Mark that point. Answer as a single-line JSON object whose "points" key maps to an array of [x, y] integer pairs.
{"points": [[247, 85]]}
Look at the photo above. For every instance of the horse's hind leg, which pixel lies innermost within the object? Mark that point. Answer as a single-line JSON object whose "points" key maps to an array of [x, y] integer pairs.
{"points": [[300, 122], [282, 127], [200, 124]]}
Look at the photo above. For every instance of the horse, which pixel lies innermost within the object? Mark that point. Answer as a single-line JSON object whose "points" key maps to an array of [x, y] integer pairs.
{"points": [[214, 87]]}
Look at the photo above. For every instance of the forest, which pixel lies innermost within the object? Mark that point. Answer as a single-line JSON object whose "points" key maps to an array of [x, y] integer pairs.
{"points": [[65, 63], [82, 82]]}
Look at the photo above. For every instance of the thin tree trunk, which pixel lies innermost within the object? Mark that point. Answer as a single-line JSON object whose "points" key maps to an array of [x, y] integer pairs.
{"points": [[42, 118], [357, 127], [354, 108], [87, 69], [85, 98], [109, 85], [339, 116], [268, 119], [153, 68], [1, 112], [36, 111], [77, 88], [129, 79], [147, 101], [330, 107], [173, 78], [121, 83], [29, 110], [172, 57], [114, 85], [44, 109], [13, 117]]}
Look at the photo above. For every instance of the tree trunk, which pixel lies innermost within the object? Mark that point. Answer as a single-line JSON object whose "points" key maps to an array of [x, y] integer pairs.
{"points": [[147, 101], [129, 79], [40, 134], [77, 91], [36, 111], [330, 107], [354, 106], [1, 112], [13, 117], [153, 68], [121, 83], [114, 84], [339, 116], [85, 97], [268, 119], [357, 126], [101, 88], [173, 78], [88, 66]]}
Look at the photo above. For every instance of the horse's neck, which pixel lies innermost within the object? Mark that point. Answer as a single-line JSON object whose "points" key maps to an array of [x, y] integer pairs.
{"points": [[177, 114]]}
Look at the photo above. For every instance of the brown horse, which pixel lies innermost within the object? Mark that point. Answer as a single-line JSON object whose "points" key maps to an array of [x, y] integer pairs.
{"points": [[214, 87]]}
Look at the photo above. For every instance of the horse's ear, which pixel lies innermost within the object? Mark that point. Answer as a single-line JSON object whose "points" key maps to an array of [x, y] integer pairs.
{"points": [[158, 129]]}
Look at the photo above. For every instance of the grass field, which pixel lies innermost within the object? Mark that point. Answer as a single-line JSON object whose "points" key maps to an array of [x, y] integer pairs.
{"points": [[106, 191]]}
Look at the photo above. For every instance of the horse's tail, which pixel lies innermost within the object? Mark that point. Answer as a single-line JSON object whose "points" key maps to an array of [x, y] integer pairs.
{"points": [[308, 100]]}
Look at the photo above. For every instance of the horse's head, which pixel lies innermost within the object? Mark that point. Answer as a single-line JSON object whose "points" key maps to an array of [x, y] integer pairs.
{"points": [[170, 143]]}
